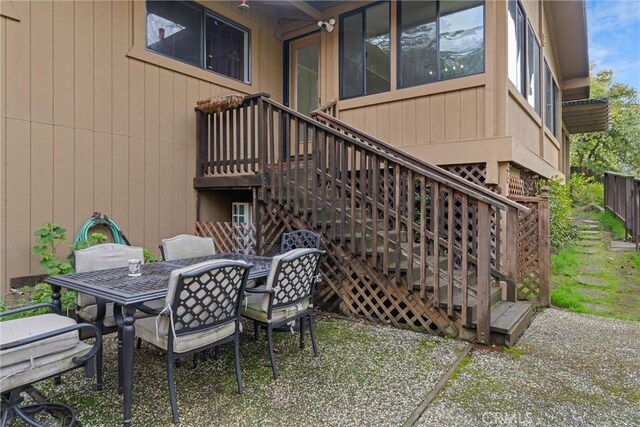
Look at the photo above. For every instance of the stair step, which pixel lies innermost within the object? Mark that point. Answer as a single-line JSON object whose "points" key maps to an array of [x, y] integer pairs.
{"points": [[509, 320], [495, 295]]}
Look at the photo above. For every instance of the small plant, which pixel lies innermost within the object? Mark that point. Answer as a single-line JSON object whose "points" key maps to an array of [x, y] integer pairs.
{"points": [[148, 255], [560, 213], [586, 190], [48, 239], [93, 239]]}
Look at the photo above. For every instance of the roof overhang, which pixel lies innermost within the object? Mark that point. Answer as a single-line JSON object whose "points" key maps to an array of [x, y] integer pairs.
{"points": [[586, 115], [568, 21]]}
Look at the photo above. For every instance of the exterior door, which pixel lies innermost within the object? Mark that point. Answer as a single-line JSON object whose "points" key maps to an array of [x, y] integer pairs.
{"points": [[304, 82]]}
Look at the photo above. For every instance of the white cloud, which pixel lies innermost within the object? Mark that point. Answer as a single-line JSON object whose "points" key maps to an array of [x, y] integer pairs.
{"points": [[613, 15]]}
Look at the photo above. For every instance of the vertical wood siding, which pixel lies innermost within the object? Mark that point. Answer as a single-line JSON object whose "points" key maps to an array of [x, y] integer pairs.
{"points": [[443, 117], [86, 128]]}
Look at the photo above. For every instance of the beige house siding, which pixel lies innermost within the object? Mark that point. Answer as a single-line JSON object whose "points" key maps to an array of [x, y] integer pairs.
{"points": [[87, 127]]}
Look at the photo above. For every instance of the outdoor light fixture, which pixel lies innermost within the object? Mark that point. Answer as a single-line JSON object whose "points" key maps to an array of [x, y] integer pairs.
{"points": [[244, 6], [327, 25]]}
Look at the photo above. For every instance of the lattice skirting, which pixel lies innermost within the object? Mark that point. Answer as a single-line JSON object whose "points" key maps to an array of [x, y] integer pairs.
{"points": [[229, 237], [352, 287]]}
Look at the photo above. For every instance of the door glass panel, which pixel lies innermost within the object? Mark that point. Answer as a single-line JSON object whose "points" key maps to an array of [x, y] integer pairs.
{"points": [[306, 69]]}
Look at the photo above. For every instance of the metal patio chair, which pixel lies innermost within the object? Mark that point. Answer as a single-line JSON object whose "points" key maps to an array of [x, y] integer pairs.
{"points": [[202, 311], [96, 310], [286, 296], [299, 239], [36, 348], [186, 246]]}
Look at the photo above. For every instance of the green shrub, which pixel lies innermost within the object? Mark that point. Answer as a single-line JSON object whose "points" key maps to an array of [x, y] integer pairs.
{"points": [[586, 190], [560, 213]]}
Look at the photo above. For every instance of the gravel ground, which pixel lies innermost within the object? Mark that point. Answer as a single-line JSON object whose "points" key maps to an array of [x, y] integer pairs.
{"points": [[366, 375], [567, 370]]}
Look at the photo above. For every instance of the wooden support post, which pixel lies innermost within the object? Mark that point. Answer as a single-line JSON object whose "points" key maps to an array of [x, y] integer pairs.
{"points": [[484, 280], [544, 247], [257, 220], [511, 253], [201, 152]]}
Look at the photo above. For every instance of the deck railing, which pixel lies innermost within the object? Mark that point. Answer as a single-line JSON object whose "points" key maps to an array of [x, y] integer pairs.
{"points": [[622, 198], [426, 228]]}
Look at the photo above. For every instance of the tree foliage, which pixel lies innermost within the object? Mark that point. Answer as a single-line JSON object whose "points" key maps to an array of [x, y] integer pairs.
{"points": [[617, 149]]}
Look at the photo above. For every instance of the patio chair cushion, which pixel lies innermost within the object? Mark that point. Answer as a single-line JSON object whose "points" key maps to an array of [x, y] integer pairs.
{"points": [[17, 329], [103, 257], [252, 307], [187, 246], [146, 329], [89, 312], [45, 366]]}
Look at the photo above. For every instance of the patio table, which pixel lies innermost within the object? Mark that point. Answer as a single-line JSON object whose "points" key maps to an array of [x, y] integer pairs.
{"points": [[115, 285]]}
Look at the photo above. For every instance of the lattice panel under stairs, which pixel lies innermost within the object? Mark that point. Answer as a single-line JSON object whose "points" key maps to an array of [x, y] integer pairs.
{"points": [[473, 172], [229, 237], [352, 287]]}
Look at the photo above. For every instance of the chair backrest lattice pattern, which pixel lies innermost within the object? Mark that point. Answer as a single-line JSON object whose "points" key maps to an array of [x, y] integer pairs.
{"points": [[207, 295], [299, 239], [293, 277]]}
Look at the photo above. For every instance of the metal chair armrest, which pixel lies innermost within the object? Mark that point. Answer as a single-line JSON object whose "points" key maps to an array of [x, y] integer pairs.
{"points": [[56, 332], [148, 310], [29, 308], [259, 291]]}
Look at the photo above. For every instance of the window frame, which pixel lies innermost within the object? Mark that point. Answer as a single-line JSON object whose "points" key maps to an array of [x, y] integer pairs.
{"points": [[523, 75], [531, 32], [341, 19], [554, 92], [204, 12], [399, 84], [246, 216]]}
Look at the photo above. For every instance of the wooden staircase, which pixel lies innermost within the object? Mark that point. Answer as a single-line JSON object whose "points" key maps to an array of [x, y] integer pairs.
{"points": [[408, 243]]}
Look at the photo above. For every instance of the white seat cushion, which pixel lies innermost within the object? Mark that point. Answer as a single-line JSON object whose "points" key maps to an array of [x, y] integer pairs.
{"points": [[89, 312], [43, 367], [146, 329], [187, 246], [17, 329], [252, 308]]}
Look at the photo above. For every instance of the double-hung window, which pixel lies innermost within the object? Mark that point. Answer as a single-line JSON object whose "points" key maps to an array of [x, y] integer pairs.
{"points": [[551, 101], [190, 33], [365, 51], [524, 55]]}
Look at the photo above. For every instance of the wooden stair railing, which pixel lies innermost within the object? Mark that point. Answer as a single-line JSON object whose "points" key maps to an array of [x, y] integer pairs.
{"points": [[421, 226]]}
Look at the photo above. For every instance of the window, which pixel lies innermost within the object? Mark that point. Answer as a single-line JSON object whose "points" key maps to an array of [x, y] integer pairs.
{"points": [[365, 51], [524, 74], [439, 40], [192, 34], [516, 35], [551, 101], [240, 213], [533, 67]]}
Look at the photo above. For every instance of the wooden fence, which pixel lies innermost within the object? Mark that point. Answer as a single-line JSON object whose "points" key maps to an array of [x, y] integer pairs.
{"points": [[622, 198], [229, 237], [533, 245]]}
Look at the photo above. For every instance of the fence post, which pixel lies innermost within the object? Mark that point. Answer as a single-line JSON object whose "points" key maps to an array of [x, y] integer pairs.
{"points": [[483, 324], [201, 151], [511, 253], [544, 247]]}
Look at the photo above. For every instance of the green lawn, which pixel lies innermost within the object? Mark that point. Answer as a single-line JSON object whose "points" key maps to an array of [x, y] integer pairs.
{"points": [[619, 297]]}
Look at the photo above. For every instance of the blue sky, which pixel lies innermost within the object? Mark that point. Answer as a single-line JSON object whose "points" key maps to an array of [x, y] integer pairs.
{"points": [[614, 38]]}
